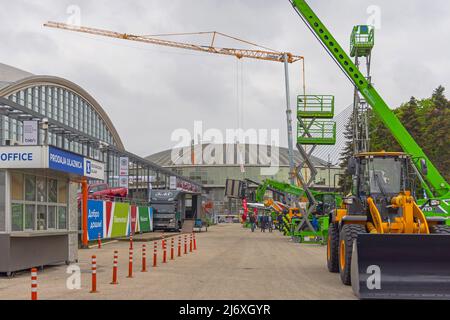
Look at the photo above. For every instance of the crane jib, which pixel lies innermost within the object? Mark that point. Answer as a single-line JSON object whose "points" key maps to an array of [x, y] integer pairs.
{"points": [[436, 186]]}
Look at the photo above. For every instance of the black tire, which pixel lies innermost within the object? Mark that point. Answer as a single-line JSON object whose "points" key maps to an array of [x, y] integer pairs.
{"points": [[333, 248], [440, 229], [348, 234]]}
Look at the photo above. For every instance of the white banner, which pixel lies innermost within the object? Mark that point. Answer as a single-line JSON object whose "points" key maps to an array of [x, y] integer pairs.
{"points": [[123, 166], [123, 182], [172, 182], [30, 132]]}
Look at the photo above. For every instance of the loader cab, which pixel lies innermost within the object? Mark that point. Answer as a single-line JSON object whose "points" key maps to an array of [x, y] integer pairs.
{"points": [[381, 176]]}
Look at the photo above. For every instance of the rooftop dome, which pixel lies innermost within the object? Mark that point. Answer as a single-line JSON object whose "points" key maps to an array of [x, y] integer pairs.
{"points": [[251, 151]]}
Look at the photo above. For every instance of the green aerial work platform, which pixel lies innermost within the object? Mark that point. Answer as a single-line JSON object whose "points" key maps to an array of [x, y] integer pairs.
{"points": [[312, 129], [315, 106], [361, 41], [320, 132]]}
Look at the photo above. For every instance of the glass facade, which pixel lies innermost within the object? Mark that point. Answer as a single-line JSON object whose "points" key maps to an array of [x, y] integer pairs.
{"points": [[217, 175], [67, 107]]}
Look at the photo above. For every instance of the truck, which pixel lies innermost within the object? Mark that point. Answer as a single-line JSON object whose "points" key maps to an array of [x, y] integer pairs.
{"points": [[167, 210]]}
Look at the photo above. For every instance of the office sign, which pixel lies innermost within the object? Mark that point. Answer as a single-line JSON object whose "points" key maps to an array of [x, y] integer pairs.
{"points": [[94, 169], [30, 132], [65, 161], [32, 157]]}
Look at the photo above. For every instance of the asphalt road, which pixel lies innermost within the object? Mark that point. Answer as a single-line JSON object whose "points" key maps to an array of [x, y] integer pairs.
{"points": [[230, 263]]}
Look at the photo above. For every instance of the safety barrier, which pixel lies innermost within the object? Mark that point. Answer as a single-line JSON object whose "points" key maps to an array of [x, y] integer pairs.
{"points": [[94, 275], [114, 277], [155, 248], [33, 284], [130, 264], [94, 288], [144, 259]]}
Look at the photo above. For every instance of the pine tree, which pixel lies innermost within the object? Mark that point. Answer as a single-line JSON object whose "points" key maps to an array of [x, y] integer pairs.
{"points": [[436, 132]]}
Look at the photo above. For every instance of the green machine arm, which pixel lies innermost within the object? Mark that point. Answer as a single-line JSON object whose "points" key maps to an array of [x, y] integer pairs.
{"points": [[436, 186], [282, 187]]}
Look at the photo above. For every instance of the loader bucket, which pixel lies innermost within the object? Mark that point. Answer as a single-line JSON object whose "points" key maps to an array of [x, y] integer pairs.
{"points": [[401, 266]]}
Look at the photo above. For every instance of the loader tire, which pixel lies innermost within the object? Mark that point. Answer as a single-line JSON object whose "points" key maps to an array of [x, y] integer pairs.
{"points": [[333, 248], [440, 229], [348, 234]]}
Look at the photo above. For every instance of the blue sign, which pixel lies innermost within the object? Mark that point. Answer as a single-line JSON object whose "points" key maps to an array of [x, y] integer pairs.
{"points": [[95, 219], [65, 161], [88, 167]]}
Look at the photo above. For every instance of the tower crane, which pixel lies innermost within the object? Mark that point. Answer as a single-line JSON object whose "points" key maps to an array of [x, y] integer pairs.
{"points": [[266, 54]]}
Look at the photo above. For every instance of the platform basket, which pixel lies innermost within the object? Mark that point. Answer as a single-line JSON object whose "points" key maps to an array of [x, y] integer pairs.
{"points": [[362, 41], [322, 132], [315, 106]]}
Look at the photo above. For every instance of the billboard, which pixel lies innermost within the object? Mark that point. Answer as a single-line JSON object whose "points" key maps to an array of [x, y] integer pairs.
{"points": [[145, 219], [95, 219], [119, 221]]}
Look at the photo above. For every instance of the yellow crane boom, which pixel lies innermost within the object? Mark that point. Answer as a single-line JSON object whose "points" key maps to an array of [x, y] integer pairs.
{"points": [[239, 53]]}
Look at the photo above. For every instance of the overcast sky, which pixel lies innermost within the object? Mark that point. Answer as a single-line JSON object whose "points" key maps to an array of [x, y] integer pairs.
{"points": [[149, 91]]}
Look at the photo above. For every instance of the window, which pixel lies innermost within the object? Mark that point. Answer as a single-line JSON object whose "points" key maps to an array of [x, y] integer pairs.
{"points": [[30, 188], [17, 217], [62, 191], [29, 216], [62, 218], [41, 186], [41, 217], [17, 186], [52, 217], [38, 203]]}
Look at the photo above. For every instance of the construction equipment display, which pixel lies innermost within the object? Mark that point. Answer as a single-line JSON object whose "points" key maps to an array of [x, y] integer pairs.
{"points": [[298, 222], [381, 241], [435, 186], [315, 127]]}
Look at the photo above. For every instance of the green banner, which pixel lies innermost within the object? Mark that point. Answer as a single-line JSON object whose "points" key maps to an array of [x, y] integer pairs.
{"points": [[120, 219], [144, 219]]}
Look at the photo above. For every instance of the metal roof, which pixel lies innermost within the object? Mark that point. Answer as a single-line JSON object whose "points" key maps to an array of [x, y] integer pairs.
{"points": [[229, 156]]}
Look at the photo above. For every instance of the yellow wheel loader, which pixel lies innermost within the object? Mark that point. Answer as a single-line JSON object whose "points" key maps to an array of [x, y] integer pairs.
{"points": [[380, 241]]}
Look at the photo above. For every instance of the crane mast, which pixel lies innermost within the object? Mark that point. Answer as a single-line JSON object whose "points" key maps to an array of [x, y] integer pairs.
{"points": [[435, 185]]}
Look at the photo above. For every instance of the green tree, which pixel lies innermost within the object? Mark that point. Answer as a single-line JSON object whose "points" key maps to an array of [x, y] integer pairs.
{"points": [[345, 181], [428, 122]]}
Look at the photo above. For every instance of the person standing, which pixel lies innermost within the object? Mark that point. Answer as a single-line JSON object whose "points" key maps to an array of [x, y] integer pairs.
{"points": [[263, 223], [253, 222]]}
